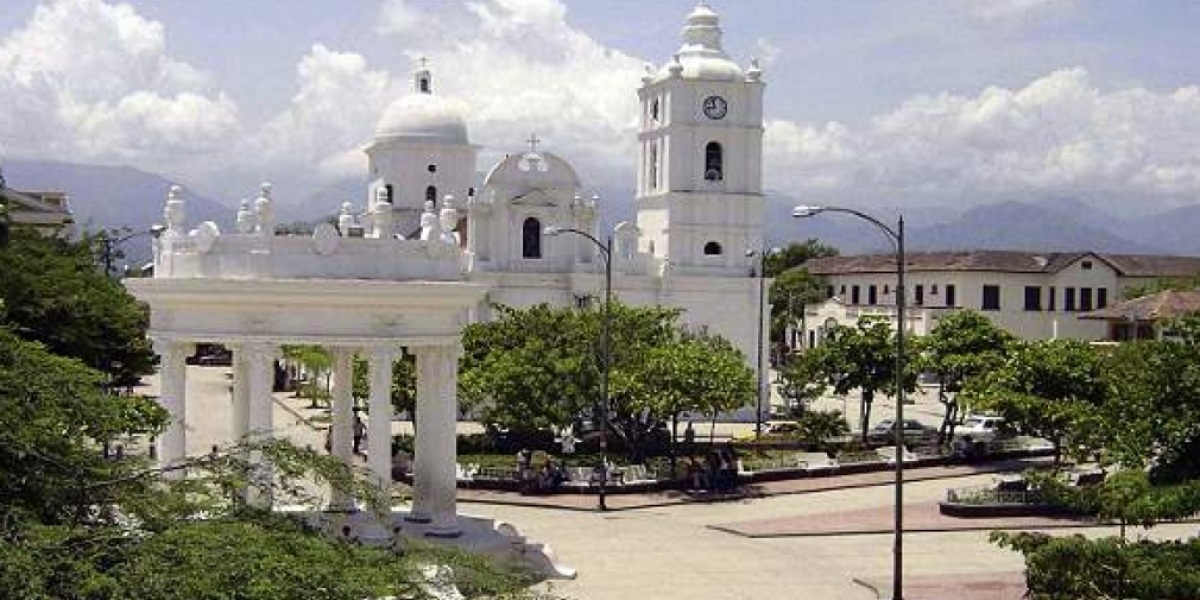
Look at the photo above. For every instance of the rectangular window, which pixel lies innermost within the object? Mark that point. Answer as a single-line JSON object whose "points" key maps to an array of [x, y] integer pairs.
{"points": [[933, 290], [829, 291], [843, 292], [1086, 265], [872, 295], [991, 297], [1085, 299], [854, 296], [1069, 299], [1101, 297], [919, 295], [1033, 298], [951, 301], [1051, 299]]}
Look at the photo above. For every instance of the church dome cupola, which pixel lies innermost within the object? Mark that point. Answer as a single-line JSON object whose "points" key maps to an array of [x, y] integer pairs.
{"points": [[422, 116], [701, 54]]}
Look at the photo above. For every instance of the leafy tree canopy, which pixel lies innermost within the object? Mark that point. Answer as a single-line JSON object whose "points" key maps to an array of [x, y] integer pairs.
{"points": [[53, 292], [77, 526], [1044, 388], [539, 369]]}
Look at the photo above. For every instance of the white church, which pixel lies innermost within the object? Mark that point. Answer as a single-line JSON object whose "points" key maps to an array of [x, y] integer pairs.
{"points": [[434, 251], [699, 196]]}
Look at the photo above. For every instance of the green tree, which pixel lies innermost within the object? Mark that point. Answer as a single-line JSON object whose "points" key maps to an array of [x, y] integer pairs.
{"points": [[1146, 426], [1045, 388], [796, 254], [531, 370], [318, 363], [75, 526], [802, 379], [793, 287], [862, 358], [962, 346], [700, 373], [538, 369], [53, 293]]}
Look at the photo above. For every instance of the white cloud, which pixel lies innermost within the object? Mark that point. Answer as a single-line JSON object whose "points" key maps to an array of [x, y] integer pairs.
{"points": [[524, 68], [1059, 134], [399, 17], [1014, 13], [331, 115], [85, 79]]}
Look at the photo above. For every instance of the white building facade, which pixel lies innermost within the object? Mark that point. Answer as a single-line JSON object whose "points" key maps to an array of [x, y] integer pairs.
{"points": [[1035, 296], [699, 197]]}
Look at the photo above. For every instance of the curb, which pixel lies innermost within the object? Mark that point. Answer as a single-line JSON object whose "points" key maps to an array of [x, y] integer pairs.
{"points": [[907, 530]]}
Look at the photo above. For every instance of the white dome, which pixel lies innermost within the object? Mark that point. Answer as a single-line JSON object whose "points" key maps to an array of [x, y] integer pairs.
{"points": [[422, 118], [715, 68], [701, 55]]}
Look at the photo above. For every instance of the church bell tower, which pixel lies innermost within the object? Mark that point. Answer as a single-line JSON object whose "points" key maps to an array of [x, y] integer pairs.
{"points": [[699, 186]]}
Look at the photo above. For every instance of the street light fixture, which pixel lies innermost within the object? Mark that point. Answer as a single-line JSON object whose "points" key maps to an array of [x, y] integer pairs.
{"points": [[606, 347], [896, 236]]}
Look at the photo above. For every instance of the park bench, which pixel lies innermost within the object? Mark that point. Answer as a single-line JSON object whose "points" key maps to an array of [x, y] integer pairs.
{"points": [[466, 473], [817, 462], [888, 455]]}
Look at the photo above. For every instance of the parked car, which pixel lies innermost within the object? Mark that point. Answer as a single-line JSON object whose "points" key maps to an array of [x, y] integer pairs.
{"points": [[981, 428], [884, 432], [770, 429], [974, 438]]}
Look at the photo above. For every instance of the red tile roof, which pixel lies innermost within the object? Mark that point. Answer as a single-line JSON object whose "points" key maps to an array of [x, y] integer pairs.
{"points": [[1128, 265]]}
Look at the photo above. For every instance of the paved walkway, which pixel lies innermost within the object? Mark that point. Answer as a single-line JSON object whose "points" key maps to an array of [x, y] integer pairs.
{"points": [[673, 545], [918, 518]]}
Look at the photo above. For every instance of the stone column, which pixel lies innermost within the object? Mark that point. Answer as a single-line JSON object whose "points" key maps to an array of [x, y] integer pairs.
{"points": [[260, 375], [342, 445], [241, 394], [435, 492], [172, 443], [379, 435]]}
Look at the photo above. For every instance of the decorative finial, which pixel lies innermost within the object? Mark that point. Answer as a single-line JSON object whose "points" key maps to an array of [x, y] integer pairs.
{"points": [[245, 217], [754, 73]]}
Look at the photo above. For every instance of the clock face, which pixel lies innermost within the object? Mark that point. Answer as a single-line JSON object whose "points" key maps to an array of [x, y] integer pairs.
{"points": [[715, 107]]}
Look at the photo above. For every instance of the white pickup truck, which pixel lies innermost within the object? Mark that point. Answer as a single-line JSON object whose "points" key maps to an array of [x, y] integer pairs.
{"points": [[977, 434]]}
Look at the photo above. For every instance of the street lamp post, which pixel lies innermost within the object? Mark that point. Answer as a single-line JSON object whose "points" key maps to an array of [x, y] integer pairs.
{"points": [[762, 266], [896, 236], [606, 348]]}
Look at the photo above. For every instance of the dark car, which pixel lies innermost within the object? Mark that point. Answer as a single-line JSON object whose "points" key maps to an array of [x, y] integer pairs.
{"points": [[884, 432]]}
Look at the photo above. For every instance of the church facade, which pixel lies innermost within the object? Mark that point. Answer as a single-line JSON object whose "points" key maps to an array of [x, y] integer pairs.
{"points": [[699, 197]]}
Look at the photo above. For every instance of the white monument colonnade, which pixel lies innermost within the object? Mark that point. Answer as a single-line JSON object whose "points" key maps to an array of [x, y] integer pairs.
{"points": [[253, 291]]}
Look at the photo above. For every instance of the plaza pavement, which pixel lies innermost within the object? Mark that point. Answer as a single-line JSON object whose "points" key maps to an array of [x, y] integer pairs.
{"points": [[787, 539]]}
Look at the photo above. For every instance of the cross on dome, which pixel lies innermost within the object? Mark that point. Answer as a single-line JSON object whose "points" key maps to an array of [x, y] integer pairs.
{"points": [[533, 142]]}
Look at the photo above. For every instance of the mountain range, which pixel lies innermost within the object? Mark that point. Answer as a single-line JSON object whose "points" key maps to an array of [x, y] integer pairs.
{"points": [[124, 197]]}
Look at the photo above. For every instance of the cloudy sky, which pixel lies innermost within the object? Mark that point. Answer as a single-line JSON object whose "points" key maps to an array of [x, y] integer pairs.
{"points": [[873, 102]]}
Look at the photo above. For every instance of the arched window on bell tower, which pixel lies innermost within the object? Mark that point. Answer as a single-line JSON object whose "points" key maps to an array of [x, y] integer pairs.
{"points": [[431, 195], [653, 165], [714, 162], [531, 238]]}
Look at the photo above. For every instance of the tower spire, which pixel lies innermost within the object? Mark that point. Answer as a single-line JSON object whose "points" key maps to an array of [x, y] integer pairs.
{"points": [[422, 78]]}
